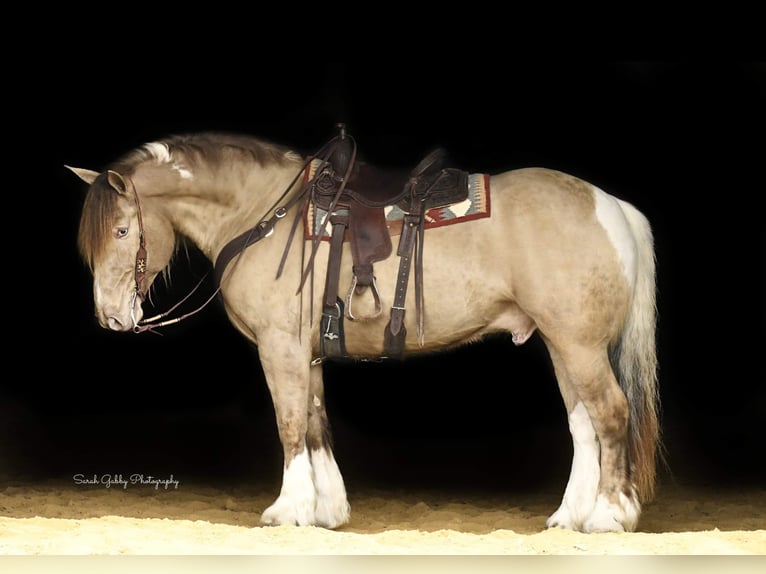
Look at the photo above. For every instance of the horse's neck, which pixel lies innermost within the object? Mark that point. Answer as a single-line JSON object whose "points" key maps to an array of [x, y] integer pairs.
{"points": [[212, 207]]}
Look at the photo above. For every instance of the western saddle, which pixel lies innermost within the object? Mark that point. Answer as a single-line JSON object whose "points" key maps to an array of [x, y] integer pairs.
{"points": [[353, 196]]}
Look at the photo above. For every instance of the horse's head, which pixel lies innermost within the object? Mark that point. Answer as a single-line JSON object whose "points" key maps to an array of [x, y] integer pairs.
{"points": [[124, 242]]}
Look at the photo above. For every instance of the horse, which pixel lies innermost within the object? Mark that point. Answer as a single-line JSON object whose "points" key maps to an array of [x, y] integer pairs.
{"points": [[553, 256]]}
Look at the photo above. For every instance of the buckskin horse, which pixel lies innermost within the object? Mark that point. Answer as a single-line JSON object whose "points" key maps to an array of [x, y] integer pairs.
{"points": [[524, 251]]}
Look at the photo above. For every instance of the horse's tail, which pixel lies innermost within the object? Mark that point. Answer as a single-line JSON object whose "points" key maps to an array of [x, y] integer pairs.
{"points": [[634, 358]]}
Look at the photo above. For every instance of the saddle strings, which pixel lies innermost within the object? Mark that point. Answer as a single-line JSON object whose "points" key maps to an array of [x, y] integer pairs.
{"points": [[317, 240], [323, 155]]}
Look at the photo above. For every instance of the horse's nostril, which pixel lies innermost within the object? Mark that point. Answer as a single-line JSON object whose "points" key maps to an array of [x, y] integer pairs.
{"points": [[114, 324]]}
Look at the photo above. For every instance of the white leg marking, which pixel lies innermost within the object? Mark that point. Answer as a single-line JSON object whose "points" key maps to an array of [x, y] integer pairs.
{"points": [[580, 494], [332, 508], [608, 517], [297, 499]]}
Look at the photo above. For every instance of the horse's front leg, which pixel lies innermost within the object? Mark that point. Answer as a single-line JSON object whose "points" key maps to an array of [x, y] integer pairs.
{"points": [[286, 368], [332, 508]]}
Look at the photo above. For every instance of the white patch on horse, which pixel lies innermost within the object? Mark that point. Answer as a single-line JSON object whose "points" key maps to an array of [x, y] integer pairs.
{"points": [[332, 508], [609, 517], [297, 500], [183, 171], [161, 152], [611, 216], [580, 494]]}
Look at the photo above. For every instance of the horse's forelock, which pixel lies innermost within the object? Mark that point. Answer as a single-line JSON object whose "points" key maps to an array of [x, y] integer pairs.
{"points": [[96, 219]]}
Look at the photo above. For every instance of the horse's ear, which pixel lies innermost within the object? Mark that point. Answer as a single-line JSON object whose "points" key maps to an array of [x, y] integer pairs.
{"points": [[87, 175], [117, 181]]}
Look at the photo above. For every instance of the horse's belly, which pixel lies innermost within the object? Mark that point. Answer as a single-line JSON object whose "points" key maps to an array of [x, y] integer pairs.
{"points": [[449, 319]]}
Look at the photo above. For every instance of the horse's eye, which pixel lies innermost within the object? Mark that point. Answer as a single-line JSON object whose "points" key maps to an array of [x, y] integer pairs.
{"points": [[121, 232]]}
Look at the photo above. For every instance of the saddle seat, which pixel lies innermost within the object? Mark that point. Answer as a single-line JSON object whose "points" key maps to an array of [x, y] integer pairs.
{"points": [[375, 187]]}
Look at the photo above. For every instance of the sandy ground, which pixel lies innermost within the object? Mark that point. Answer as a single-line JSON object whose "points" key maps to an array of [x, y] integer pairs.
{"points": [[414, 509], [55, 518]]}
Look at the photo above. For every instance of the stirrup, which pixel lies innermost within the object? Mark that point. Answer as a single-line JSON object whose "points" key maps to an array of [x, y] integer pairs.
{"points": [[375, 296]]}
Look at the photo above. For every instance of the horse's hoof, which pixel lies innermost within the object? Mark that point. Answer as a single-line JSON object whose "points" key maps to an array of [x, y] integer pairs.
{"points": [[331, 520], [561, 519], [279, 514], [607, 524], [613, 517]]}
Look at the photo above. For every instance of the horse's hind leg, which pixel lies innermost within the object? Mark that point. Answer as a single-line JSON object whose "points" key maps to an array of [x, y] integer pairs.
{"points": [[599, 496], [582, 487], [332, 508]]}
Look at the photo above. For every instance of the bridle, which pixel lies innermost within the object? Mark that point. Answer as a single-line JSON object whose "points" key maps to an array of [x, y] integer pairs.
{"points": [[139, 275], [264, 228], [139, 271]]}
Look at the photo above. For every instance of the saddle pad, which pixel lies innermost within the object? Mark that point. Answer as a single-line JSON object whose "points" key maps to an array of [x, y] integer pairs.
{"points": [[476, 206]]}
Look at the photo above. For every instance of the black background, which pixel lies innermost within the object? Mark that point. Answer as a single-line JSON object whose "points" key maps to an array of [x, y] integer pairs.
{"points": [[683, 141]]}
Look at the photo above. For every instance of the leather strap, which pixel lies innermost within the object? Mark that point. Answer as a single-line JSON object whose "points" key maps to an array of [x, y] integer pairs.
{"points": [[394, 336], [339, 222], [332, 335]]}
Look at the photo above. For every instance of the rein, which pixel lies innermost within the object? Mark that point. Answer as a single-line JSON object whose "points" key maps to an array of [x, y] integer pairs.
{"points": [[264, 228]]}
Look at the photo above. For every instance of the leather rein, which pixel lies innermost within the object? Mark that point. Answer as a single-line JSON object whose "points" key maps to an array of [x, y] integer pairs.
{"points": [[230, 251]]}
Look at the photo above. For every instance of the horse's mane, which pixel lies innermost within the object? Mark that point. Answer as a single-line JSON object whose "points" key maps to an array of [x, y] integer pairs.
{"points": [[210, 148], [196, 149]]}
